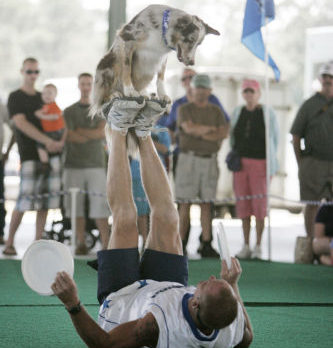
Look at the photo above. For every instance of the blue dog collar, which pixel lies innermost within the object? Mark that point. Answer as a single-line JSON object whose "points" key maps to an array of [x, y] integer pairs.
{"points": [[165, 26]]}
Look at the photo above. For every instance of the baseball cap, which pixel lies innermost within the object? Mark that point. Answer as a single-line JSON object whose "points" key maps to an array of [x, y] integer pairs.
{"points": [[201, 80], [326, 69], [250, 84]]}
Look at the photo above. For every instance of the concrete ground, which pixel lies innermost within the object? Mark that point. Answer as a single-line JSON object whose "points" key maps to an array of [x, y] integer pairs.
{"points": [[285, 227]]}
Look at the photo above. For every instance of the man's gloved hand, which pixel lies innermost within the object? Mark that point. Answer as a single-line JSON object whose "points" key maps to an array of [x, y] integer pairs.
{"points": [[120, 113]]}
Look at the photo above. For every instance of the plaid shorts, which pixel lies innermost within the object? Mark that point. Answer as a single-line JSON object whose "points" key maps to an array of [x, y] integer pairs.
{"points": [[33, 185]]}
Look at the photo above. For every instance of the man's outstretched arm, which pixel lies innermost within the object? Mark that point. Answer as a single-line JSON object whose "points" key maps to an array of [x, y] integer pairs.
{"points": [[137, 333], [232, 277]]}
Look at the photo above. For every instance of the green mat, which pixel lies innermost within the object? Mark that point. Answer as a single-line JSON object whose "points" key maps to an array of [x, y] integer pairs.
{"points": [[290, 306], [264, 282], [273, 327]]}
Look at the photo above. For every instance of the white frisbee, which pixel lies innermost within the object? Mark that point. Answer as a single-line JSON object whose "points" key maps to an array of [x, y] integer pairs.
{"points": [[223, 245], [41, 262]]}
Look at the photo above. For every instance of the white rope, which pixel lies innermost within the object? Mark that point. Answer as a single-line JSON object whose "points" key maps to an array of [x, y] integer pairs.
{"points": [[192, 201]]}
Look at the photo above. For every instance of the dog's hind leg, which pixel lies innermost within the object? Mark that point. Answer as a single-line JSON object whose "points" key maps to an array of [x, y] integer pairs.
{"points": [[105, 82], [129, 90]]}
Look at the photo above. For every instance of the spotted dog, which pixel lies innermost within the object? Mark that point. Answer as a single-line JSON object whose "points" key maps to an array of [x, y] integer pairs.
{"points": [[140, 50]]}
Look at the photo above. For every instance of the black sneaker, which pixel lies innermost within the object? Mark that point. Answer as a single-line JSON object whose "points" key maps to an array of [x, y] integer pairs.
{"points": [[208, 251]]}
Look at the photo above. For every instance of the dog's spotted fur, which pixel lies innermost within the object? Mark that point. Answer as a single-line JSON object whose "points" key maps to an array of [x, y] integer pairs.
{"points": [[139, 52]]}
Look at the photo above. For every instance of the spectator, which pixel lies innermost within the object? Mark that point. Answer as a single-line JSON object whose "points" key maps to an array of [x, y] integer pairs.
{"points": [[22, 105], [314, 124], [161, 141], [202, 127], [52, 122], [85, 164], [171, 120], [323, 234], [248, 138], [3, 158]]}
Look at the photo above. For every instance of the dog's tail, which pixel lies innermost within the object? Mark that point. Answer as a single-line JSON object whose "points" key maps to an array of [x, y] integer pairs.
{"points": [[106, 84], [103, 87]]}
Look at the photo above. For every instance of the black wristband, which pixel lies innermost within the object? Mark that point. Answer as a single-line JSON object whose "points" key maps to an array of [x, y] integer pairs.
{"points": [[75, 309]]}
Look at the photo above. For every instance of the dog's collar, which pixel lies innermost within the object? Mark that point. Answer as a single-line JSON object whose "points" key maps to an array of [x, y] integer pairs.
{"points": [[165, 26]]}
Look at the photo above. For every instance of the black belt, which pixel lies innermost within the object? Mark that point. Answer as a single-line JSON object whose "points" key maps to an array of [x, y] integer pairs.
{"points": [[201, 155]]}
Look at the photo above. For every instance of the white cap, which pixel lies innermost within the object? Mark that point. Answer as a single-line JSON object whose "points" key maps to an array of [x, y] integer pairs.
{"points": [[326, 69]]}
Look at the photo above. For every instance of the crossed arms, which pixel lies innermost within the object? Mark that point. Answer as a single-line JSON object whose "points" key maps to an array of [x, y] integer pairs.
{"points": [[209, 133], [82, 135]]}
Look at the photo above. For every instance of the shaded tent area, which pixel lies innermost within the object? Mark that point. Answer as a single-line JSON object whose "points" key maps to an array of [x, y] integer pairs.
{"points": [[289, 305]]}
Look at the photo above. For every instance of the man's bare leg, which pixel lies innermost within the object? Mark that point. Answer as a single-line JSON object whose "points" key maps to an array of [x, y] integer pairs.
{"points": [[184, 219], [41, 217], [104, 231], [206, 221], [119, 190], [310, 213], [164, 230], [14, 224], [80, 230]]}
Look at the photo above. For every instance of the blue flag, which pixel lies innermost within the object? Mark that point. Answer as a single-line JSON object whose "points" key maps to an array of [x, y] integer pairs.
{"points": [[256, 12]]}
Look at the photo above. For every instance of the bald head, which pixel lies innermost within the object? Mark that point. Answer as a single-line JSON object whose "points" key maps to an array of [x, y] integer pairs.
{"points": [[218, 307]]}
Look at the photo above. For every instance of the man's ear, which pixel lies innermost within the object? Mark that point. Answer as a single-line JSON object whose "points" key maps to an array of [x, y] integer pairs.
{"points": [[195, 302], [210, 30]]}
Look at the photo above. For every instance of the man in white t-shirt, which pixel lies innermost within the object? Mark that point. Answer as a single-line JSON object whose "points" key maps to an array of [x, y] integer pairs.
{"points": [[146, 303]]}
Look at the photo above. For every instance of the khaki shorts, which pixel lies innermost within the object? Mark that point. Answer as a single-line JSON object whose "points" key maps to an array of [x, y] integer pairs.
{"points": [[91, 180], [315, 177], [196, 177]]}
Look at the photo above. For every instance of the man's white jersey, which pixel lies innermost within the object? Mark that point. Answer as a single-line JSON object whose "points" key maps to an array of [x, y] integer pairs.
{"points": [[168, 302]]}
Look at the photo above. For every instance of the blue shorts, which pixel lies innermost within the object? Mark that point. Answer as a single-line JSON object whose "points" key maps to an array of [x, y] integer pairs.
{"points": [[118, 268]]}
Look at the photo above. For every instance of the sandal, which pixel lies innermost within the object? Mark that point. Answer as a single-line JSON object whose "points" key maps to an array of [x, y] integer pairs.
{"points": [[9, 250]]}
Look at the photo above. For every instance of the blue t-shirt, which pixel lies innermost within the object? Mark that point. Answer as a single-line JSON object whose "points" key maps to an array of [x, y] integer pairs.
{"points": [[170, 120]]}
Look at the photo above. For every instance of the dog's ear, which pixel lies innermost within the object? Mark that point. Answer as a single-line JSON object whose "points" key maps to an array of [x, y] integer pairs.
{"points": [[210, 30]]}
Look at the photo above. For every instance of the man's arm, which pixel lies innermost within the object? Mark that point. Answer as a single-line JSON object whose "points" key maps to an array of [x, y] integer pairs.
{"points": [[96, 133], [196, 129], [297, 147], [9, 147], [32, 132], [137, 333], [218, 134], [74, 137], [232, 276]]}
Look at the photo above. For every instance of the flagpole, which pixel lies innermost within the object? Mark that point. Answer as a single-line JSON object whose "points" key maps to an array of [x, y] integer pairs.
{"points": [[267, 137]]}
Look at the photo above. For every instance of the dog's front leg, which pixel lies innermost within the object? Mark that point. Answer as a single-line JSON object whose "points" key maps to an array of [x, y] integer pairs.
{"points": [[129, 90], [160, 83]]}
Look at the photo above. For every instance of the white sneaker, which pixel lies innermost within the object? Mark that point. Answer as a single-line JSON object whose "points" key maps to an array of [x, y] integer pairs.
{"points": [[148, 116], [245, 253], [256, 253], [120, 113]]}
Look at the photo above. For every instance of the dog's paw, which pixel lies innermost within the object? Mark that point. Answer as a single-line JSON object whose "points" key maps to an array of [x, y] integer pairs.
{"points": [[116, 95], [130, 91], [165, 99], [166, 102]]}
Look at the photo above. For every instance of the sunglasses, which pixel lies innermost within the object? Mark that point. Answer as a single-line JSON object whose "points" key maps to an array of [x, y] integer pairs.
{"points": [[30, 72], [187, 78], [248, 90]]}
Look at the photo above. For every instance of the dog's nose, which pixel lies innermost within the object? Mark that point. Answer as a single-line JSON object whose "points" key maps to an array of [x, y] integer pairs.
{"points": [[191, 62]]}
